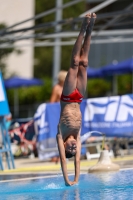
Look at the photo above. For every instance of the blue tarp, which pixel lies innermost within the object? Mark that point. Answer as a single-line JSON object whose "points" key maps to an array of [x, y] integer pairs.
{"points": [[123, 67], [112, 116], [16, 82], [94, 73]]}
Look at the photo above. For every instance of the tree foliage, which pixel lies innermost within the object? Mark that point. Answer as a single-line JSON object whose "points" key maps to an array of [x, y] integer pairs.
{"points": [[32, 95], [98, 87], [44, 55], [4, 54]]}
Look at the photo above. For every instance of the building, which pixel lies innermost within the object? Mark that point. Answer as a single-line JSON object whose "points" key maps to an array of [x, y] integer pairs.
{"points": [[12, 12]]}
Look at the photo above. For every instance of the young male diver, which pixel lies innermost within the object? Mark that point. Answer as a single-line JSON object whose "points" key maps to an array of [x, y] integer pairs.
{"points": [[69, 127]]}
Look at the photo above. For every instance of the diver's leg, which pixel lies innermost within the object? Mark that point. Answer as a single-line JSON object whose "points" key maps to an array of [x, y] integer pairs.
{"points": [[71, 78], [82, 72]]}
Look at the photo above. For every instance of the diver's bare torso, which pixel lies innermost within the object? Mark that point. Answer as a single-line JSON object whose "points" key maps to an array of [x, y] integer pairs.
{"points": [[70, 119]]}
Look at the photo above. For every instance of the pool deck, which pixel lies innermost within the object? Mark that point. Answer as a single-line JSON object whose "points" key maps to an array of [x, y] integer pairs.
{"points": [[34, 165]]}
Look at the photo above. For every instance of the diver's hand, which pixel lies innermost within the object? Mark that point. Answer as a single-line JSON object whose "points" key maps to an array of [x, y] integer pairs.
{"points": [[74, 182], [68, 183]]}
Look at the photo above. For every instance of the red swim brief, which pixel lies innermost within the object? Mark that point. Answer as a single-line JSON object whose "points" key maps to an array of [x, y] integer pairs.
{"points": [[75, 96]]}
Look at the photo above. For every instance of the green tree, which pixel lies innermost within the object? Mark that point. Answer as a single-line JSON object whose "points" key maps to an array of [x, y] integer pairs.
{"points": [[124, 84], [44, 55], [4, 53], [98, 87]]}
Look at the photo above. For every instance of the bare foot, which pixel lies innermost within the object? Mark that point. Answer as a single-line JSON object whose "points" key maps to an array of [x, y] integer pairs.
{"points": [[93, 17], [86, 22], [91, 24]]}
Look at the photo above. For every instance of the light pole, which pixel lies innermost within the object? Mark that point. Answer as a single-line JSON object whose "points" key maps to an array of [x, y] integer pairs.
{"points": [[57, 47]]}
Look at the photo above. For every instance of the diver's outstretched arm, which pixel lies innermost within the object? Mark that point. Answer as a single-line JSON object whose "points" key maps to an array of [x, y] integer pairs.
{"points": [[77, 161], [63, 159]]}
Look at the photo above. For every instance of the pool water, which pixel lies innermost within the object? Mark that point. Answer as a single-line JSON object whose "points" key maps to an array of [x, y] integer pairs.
{"points": [[102, 186]]}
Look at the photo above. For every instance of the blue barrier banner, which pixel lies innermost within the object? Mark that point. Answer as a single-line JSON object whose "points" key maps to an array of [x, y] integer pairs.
{"points": [[112, 116], [4, 107], [46, 120]]}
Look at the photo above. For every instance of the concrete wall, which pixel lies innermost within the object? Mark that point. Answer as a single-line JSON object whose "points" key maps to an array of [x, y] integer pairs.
{"points": [[11, 12]]}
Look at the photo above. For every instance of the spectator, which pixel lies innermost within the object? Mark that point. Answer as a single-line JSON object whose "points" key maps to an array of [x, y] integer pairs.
{"points": [[57, 89], [56, 94]]}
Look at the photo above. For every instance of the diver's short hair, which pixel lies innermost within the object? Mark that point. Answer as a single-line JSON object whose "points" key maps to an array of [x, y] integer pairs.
{"points": [[62, 75], [68, 155]]}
